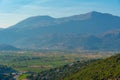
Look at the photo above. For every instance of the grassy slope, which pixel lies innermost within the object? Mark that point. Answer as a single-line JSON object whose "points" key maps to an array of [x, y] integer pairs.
{"points": [[101, 70]]}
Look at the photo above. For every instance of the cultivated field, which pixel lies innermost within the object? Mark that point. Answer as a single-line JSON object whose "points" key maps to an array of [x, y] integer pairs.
{"points": [[39, 61]]}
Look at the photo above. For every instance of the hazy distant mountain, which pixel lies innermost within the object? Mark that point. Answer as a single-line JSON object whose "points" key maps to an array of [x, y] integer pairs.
{"points": [[4, 47], [74, 32], [111, 40], [91, 23]]}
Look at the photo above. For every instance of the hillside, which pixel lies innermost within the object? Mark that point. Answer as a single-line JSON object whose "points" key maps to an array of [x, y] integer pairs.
{"points": [[75, 32], [108, 69], [105, 69]]}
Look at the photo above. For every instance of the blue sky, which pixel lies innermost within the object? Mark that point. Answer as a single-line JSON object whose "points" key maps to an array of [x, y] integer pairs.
{"points": [[13, 11]]}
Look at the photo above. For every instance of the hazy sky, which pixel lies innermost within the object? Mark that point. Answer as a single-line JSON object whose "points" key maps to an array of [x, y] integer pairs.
{"points": [[13, 11]]}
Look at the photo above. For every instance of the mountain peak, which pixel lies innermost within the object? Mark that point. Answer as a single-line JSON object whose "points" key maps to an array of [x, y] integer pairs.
{"points": [[44, 17], [94, 13], [83, 16], [97, 14]]}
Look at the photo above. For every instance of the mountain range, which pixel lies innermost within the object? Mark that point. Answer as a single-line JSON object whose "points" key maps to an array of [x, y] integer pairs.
{"points": [[90, 31]]}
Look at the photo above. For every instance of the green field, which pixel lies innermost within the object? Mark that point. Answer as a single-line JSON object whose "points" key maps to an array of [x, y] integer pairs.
{"points": [[39, 61]]}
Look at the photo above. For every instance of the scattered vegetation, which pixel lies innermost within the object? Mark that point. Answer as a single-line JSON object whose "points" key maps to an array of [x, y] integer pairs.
{"points": [[6, 73], [61, 72]]}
